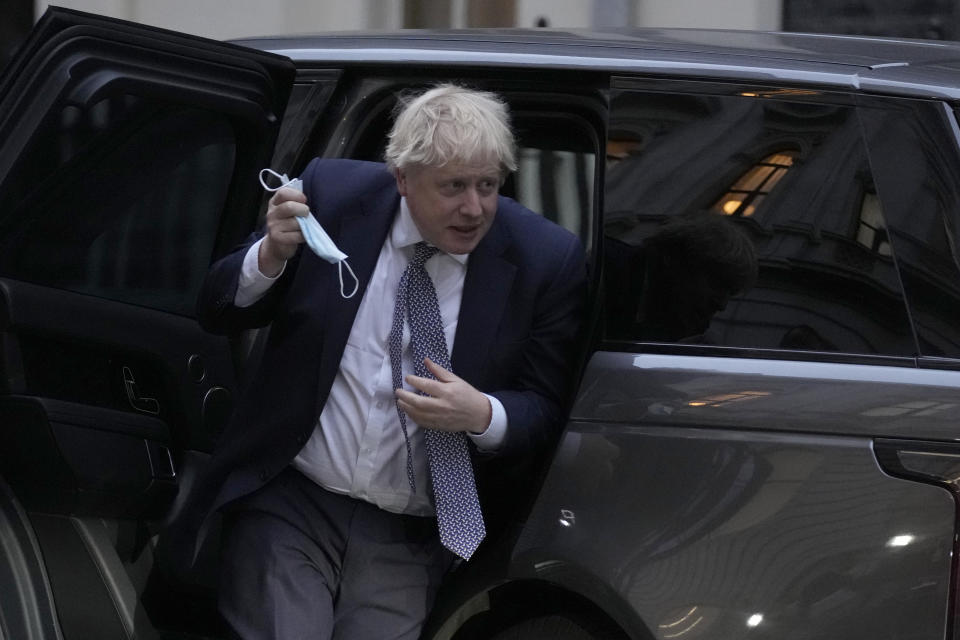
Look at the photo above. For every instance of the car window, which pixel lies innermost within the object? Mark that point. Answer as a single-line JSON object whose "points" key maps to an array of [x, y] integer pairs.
{"points": [[119, 199], [746, 220], [555, 173], [914, 153]]}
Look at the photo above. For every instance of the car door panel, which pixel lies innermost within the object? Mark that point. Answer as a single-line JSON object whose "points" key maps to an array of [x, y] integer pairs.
{"points": [[91, 187], [739, 494], [128, 161]]}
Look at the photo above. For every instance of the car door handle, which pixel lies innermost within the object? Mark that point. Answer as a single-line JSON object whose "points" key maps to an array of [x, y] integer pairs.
{"points": [[138, 402], [930, 462]]}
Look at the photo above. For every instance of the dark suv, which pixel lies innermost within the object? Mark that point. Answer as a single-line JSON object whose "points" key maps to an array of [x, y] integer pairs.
{"points": [[764, 440]]}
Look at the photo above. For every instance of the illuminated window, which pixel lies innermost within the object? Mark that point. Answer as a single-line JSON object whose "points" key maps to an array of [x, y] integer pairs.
{"points": [[748, 193], [872, 230]]}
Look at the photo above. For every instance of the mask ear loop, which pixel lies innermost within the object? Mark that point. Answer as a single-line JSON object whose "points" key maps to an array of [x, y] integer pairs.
{"points": [[282, 177], [356, 282], [285, 181]]}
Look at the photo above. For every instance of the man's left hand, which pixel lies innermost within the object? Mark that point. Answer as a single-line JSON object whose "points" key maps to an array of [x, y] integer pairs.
{"points": [[450, 403]]}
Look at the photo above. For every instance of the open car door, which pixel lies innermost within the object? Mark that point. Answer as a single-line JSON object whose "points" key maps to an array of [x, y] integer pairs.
{"points": [[128, 160]]}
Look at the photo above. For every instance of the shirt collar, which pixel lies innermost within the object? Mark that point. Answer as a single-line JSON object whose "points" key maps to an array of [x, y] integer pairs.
{"points": [[405, 233]]}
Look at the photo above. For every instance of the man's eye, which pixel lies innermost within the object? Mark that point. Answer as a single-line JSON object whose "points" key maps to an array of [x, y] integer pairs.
{"points": [[450, 188]]}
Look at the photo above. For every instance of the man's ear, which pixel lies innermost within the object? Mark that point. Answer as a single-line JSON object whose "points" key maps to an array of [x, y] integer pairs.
{"points": [[401, 177]]}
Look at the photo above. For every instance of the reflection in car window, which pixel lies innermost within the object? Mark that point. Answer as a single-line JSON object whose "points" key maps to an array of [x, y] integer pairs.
{"points": [[786, 245], [915, 158], [748, 193], [117, 202]]}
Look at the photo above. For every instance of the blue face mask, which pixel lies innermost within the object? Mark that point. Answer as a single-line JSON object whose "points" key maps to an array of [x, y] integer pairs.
{"points": [[314, 235]]}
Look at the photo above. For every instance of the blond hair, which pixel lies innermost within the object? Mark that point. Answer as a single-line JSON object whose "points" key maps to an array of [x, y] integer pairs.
{"points": [[450, 123]]}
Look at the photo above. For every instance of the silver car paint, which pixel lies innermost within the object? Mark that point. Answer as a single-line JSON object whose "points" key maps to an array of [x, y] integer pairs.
{"points": [[861, 400], [725, 497]]}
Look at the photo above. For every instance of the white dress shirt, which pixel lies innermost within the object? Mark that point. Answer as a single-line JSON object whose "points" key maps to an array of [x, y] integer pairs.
{"points": [[357, 447]]}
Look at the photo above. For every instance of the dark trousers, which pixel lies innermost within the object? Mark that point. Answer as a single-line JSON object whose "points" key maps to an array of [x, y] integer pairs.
{"points": [[301, 562]]}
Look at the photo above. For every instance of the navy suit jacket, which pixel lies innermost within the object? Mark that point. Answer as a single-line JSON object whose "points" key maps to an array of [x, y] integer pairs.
{"points": [[523, 299]]}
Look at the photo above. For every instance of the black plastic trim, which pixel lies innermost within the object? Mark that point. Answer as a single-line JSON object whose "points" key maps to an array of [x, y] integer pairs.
{"points": [[27, 610]]}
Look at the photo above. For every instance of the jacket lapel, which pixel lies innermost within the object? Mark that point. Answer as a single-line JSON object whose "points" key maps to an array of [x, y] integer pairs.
{"points": [[486, 290], [360, 235]]}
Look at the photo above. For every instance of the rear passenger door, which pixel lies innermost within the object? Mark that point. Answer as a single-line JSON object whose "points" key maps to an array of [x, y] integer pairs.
{"points": [[779, 339], [128, 160]]}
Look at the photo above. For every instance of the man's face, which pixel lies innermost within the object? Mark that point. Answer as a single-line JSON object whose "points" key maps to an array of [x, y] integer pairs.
{"points": [[454, 205]]}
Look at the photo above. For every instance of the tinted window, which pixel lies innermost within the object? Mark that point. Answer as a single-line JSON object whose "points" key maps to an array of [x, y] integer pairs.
{"points": [[746, 221], [913, 149], [120, 199]]}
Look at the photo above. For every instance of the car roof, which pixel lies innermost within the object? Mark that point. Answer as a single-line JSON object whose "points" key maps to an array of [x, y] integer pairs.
{"points": [[926, 68]]}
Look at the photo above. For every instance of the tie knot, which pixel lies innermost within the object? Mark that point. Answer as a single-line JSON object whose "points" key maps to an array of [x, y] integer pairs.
{"points": [[422, 253]]}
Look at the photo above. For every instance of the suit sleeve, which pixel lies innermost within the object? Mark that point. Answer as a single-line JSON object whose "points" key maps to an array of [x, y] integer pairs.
{"points": [[216, 310], [537, 402]]}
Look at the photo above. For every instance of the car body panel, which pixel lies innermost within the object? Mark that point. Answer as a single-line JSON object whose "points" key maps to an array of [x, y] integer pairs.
{"points": [[718, 532], [755, 394], [636, 43], [778, 521], [899, 67]]}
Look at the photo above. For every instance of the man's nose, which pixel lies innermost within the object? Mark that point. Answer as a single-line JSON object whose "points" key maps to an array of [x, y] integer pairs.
{"points": [[470, 206]]}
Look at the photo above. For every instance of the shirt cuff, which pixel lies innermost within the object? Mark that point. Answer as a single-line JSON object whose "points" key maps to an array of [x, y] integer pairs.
{"points": [[491, 439], [253, 285]]}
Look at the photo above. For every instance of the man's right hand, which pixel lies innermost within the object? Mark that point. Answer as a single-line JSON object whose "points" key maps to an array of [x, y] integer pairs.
{"points": [[282, 231]]}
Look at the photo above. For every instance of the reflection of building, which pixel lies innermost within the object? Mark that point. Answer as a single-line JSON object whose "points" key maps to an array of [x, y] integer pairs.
{"points": [[796, 175]]}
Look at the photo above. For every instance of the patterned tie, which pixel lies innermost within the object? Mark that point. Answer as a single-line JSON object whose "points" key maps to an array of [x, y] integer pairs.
{"points": [[454, 491]]}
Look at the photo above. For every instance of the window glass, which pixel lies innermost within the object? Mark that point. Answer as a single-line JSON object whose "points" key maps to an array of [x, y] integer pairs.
{"points": [[914, 152], [120, 199], [746, 222], [555, 173]]}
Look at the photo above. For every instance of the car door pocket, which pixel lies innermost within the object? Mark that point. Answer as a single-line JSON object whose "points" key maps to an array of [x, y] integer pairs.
{"points": [[65, 457]]}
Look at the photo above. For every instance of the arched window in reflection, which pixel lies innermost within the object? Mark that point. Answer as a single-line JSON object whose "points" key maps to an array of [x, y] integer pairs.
{"points": [[871, 229], [748, 193]]}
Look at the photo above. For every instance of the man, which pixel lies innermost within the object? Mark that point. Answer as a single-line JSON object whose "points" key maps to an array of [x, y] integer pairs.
{"points": [[343, 459]]}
